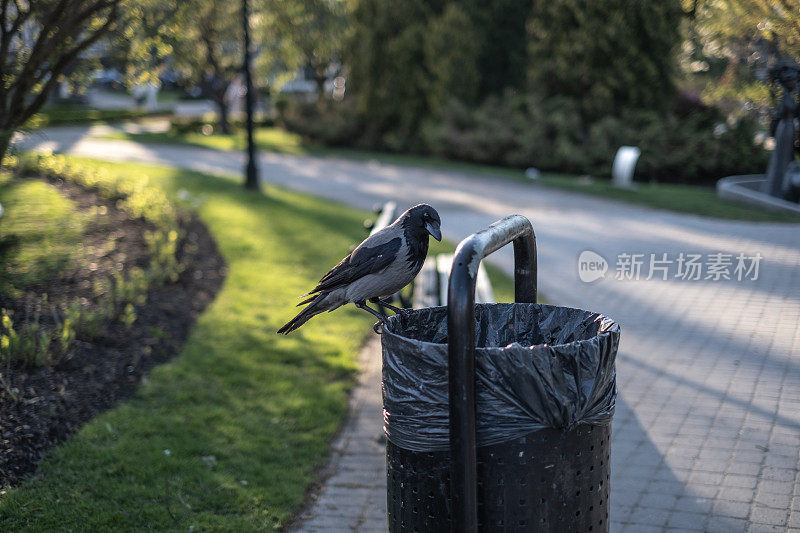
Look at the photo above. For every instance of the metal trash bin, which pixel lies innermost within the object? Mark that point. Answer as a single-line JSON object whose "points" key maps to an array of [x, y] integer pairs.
{"points": [[504, 425]]}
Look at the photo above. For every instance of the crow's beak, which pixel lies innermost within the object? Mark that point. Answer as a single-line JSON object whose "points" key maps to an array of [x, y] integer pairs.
{"points": [[435, 232]]}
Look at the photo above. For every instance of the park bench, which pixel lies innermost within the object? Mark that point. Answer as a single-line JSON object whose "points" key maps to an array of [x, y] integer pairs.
{"points": [[429, 289]]}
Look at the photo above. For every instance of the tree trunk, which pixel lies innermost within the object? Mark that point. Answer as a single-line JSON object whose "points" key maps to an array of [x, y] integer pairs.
{"points": [[5, 142], [320, 79], [223, 112]]}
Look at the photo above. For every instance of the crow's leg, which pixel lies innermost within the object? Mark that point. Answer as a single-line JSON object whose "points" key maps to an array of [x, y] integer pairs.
{"points": [[363, 305], [386, 304]]}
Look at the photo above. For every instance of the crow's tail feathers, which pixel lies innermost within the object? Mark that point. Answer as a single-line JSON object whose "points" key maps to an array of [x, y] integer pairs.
{"points": [[317, 305], [308, 300]]}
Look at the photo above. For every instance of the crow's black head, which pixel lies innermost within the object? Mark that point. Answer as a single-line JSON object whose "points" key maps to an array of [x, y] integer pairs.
{"points": [[421, 220]]}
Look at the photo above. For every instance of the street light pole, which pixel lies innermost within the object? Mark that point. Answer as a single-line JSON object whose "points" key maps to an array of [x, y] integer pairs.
{"points": [[251, 173]]}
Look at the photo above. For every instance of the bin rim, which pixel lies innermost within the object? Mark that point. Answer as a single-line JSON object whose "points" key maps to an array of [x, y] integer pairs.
{"points": [[609, 325]]}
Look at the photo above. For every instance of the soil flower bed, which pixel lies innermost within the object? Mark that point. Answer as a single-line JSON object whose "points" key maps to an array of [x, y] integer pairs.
{"points": [[48, 391]]}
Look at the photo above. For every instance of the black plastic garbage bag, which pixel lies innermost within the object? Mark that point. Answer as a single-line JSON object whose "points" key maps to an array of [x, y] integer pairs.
{"points": [[537, 367]]}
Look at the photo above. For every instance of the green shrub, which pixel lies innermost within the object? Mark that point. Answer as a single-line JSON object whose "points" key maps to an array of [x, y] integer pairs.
{"points": [[695, 145], [697, 148], [512, 130], [326, 122], [550, 134]]}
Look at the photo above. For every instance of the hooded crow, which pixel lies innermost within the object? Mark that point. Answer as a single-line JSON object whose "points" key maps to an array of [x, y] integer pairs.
{"points": [[380, 266]]}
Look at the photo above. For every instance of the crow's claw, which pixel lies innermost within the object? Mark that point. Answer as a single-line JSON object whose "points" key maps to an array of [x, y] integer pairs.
{"points": [[365, 307], [387, 305]]}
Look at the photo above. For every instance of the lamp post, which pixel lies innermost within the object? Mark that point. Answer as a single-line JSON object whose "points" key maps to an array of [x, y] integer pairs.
{"points": [[251, 172]]}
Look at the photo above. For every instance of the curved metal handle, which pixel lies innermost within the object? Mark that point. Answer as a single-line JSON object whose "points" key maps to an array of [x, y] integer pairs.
{"points": [[461, 349]]}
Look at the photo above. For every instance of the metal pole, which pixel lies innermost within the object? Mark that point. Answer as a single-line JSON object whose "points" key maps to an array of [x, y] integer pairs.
{"points": [[461, 349], [251, 172]]}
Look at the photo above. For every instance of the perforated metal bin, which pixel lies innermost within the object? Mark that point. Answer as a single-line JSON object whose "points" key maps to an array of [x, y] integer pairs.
{"points": [[506, 430], [547, 481]]}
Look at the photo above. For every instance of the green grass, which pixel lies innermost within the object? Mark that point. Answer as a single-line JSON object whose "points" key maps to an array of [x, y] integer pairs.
{"points": [[40, 232], [267, 139], [68, 114], [263, 405], [680, 198], [169, 96], [227, 436]]}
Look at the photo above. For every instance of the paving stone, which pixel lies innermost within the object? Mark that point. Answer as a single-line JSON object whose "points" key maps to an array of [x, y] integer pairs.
{"points": [[774, 500], [687, 521], [689, 504], [327, 527], [766, 515], [648, 516], [732, 509], [765, 528], [640, 528], [779, 474], [744, 482], [751, 469], [781, 461], [736, 494], [706, 478], [718, 524], [669, 488], [625, 497], [658, 501]]}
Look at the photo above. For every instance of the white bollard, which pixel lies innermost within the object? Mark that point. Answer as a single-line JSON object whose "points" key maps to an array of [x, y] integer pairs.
{"points": [[532, 173], [624, 164]]}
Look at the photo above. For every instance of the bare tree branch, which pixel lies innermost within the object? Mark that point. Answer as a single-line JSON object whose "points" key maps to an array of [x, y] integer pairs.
{"points": [[60, 65], [21, 16], [38, 50], [45, 51], [62, 31]]}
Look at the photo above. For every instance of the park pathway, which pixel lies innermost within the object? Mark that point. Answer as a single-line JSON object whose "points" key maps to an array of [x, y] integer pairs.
{"points": [[706, 436]]}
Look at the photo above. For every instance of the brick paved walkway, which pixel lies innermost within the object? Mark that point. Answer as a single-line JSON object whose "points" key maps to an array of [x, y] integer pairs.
{"points": [[707, 431], [354, 496]]}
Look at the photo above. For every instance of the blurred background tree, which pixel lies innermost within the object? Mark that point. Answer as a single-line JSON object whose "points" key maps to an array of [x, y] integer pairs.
{"points": [[607, 55], [558, 85], [140, 45], [407, 59], [453, 49], [207, 47], [503, 58], [730, 45], [304, 34], [386, 59], [40, 41]]}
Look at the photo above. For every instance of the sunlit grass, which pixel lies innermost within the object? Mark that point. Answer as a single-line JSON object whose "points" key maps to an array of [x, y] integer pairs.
{"points": [[264, 406], [40, 232], [267, 139], [229, 435], [61, 115]]}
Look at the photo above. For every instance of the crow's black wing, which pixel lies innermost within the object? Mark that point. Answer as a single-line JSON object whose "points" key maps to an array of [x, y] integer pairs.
{"points": [[362, 261]]}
